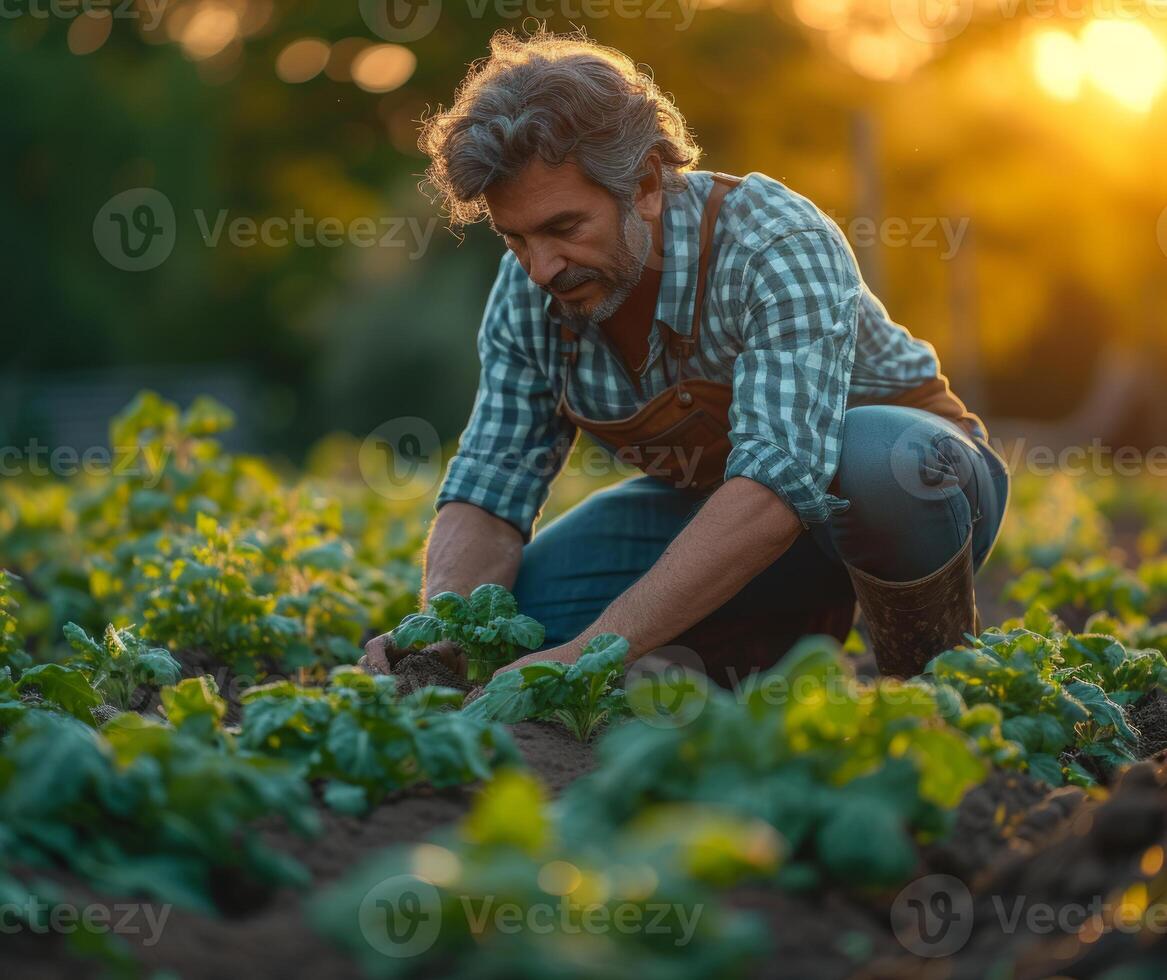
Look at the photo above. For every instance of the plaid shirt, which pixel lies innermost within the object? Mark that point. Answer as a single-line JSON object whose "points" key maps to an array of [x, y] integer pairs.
{"points": [[788, 322]]}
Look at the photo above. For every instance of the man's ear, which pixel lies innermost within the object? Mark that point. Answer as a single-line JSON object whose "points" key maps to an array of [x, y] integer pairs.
{"points": [[649, 191]]}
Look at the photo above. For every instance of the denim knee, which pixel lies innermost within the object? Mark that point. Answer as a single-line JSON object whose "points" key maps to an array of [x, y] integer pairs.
{"points": [[907, 475]]}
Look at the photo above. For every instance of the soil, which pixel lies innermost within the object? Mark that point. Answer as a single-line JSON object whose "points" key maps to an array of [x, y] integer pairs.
{"points": [[418, 670], [1019, 848]]}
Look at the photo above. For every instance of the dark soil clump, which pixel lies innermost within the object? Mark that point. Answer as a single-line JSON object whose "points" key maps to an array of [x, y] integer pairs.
{"points": [[418, 670], [1149, 717]]}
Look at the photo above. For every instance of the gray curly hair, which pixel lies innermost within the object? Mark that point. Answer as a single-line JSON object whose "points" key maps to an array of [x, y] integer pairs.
{"points": [[555, 96]]}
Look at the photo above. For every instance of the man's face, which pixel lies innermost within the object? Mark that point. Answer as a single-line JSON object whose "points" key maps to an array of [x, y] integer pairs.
{"points": [[571, 238]]}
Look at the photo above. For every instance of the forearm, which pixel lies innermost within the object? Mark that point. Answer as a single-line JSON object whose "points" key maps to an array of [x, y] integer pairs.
{"points": [[741, 530], [468, 546]]}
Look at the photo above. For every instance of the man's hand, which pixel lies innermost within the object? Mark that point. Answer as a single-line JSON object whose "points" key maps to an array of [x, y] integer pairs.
{"points": [[568, 653], [382, 655]]}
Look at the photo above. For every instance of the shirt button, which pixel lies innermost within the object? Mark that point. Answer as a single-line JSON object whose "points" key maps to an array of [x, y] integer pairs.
{"points": [[685, 398]]}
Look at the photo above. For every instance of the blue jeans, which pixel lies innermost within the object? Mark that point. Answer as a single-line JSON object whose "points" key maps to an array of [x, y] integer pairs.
{"points": [[917, 485]]}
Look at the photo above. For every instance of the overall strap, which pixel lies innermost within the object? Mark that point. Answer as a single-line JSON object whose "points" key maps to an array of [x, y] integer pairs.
{"points": [[683, 347]]}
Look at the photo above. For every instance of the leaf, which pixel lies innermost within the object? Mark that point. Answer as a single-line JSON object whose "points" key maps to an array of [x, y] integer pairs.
{"points": [[353, 748], [431, 698], [64, 686], [603, 654], [1101, 708], [505, 699], [864, 841], [206, 417], [489, 602], [194, 702], [157, 667], [522, 631], [451, 607], [346, 798], [511, 811], [334, 556], [80, 641], [417, 629], [1046, 768], [1026, 731], [948, 766]]}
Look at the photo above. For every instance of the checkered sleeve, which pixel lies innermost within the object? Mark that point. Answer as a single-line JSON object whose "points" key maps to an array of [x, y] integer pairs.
{"points": [[799, 322], [514, 444]]}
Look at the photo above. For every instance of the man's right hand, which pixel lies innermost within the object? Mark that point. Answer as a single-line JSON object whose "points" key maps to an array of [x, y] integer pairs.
{"points": [[382, 655]]}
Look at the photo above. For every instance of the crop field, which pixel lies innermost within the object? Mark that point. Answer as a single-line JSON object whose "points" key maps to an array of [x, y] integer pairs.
{"points": [[197, 780]]}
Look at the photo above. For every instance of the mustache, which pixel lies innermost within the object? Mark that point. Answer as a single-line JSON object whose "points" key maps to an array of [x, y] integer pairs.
{"points": [[569, 280]]}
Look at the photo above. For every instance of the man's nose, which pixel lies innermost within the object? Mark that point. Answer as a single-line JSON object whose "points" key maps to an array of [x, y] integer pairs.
{"points": [[545, 265]]}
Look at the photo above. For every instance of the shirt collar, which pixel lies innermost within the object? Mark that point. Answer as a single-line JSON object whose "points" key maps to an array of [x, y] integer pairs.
{"points": [[680, 231]]}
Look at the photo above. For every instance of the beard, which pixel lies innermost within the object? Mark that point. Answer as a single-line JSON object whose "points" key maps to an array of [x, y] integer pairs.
{"points": [[635, 242]]}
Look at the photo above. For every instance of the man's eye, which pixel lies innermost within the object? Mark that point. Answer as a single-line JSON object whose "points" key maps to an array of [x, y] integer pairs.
{"points": [[567, 229]]}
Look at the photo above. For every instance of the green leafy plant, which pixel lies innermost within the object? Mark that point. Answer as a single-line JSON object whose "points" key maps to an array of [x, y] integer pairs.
{"points": [[509, 860], [581, 696], [365, 742], [847, 771], [487, 627], [1095, 585], [142, 808], [121, 663], [1059, 695], [12, 652]]}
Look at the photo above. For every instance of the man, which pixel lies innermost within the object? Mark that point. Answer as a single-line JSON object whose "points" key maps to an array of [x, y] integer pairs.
{"points": [[801, 450]]}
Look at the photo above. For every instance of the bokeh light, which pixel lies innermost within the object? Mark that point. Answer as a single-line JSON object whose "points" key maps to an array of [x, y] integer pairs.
{"points": [[1125, 60], [383, 67], [302, 60], [1057, 64]]}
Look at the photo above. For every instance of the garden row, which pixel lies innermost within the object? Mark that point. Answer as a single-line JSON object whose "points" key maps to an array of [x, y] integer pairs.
{"points": [[206, 756]]}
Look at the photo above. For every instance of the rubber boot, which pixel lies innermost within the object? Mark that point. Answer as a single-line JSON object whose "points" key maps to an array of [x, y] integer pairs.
{"points": [[911, 622]]}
